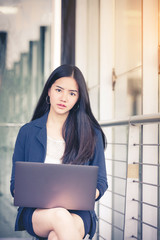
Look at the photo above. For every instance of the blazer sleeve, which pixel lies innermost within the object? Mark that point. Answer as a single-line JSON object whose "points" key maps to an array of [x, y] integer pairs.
{"points": [[99, 160], [18, 155]]}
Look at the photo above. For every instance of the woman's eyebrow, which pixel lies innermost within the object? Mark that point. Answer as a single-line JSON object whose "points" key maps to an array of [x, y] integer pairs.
{"points": [[73, 90], [60, 87], [68, 90]]}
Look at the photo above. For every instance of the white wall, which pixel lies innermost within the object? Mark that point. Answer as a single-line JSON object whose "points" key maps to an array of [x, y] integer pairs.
{"points": [[94, 56], [150, 106], [125, 39], [106, 58], [56, 34], [88, 47], [150, 56], [81, 36], [94, 52]]}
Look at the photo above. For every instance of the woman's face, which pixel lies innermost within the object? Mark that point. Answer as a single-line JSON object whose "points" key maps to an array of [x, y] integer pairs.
{"points": [[64, 94]]}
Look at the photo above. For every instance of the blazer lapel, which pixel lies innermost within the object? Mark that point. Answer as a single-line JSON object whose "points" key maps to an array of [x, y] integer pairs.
{"points": [[42, 134]]}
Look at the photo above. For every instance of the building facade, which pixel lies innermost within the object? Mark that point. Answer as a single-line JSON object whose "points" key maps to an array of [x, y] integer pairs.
{"points": [[116, 45]]}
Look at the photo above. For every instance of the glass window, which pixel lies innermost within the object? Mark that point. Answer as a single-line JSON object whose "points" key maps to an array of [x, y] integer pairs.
{"points": [[24, 65], [128, 59]]}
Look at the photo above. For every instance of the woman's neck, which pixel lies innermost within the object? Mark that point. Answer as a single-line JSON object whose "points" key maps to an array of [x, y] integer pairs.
{"points": [[55, 124]]}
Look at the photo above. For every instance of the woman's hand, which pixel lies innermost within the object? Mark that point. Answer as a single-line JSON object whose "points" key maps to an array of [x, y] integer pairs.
{"points": [[97, 193]]}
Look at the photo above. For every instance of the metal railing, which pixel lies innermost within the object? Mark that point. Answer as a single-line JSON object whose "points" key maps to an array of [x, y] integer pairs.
{"points": [[133, 120], [135, 210], [126, 139]]}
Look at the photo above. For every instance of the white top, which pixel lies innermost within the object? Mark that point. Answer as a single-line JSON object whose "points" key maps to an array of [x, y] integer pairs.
{"points": [[55, 150]]}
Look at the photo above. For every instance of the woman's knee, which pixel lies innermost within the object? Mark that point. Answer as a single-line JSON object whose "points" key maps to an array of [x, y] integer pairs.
{"points": [[52, 236], [60, 214], [58, 220], [46, 220], [51, 216]]}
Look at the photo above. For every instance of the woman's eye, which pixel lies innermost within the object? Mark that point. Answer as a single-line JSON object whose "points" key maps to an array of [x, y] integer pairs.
{"points": [[58, 90], [72, 94]]}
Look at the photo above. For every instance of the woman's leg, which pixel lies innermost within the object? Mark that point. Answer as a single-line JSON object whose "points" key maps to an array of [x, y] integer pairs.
{"points": [[52, 236], [57, 224]]}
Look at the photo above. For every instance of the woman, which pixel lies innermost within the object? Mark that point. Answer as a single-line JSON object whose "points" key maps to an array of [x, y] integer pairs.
{"points": [[62, 120]]}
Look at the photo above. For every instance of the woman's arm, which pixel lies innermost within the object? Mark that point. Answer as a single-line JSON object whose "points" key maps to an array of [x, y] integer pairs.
{"points": [[18, 155], [99, 160]]}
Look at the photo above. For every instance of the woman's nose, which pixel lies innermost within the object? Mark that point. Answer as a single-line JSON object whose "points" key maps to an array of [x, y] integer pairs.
{"points": [[64, 97]]}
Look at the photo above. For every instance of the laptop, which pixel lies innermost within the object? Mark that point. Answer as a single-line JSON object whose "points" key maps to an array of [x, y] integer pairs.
{"points": [[42, 185]]}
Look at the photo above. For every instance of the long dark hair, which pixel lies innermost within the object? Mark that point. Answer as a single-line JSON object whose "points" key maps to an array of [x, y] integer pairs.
{"points": [[79, 127]]}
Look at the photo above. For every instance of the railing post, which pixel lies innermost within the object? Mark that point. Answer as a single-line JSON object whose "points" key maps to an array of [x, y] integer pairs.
{"points": [[130, 228], [158, 200], [98, 221]]}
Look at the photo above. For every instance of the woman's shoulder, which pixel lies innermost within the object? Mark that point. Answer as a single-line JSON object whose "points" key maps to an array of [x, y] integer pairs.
{"points": [[28, 127], [24, 129], [100, 137], [97, 131], [39, 122]]}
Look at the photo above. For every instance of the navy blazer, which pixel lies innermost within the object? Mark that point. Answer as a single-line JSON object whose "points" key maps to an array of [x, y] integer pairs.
{"points": [[31, 146]]}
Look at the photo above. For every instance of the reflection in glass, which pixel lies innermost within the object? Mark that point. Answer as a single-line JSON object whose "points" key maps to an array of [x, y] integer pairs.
{"points": [[128, 94], [128, 59], [24, 65]]}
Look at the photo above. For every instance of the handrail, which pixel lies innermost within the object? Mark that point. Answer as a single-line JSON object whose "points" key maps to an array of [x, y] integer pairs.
{"points": [[11, 124], [138, 119]]}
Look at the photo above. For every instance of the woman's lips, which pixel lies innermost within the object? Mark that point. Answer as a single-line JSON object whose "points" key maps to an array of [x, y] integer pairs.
{"points": [[61, 105]]}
